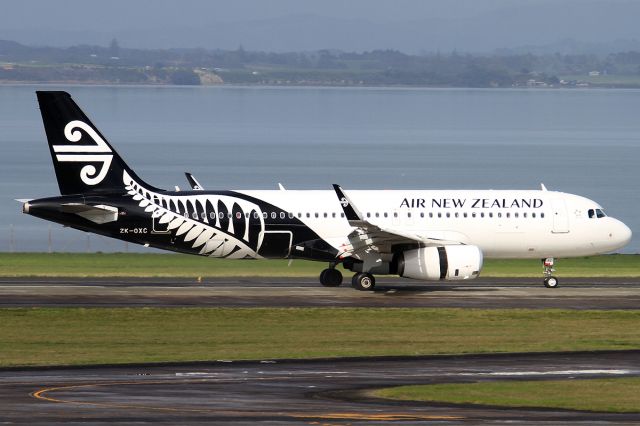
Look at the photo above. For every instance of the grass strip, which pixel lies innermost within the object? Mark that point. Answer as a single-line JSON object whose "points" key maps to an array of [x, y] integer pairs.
{"points": [[51, 336], [618, 395], [176, 265]]}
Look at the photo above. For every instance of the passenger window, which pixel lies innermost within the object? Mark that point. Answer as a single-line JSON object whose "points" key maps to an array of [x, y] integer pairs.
{"points": [[308, 214], [317, 214], [439, 214], [490, 214], [273, 215], [533, 215], [464, 214], [395, 214], [421, 214], [508, 215], [333, 215], [431, 214], [385, 214], [368, 214], [524, 214], [542, 215], [515, 214], [448, 214], [409, 214], [456, 214], [473, 215], [325, 215], [341, 214], [482, 214], [499, 214]]}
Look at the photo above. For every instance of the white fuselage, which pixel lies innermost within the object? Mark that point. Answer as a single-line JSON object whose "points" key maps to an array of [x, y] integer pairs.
{"points": [[503, 223]]}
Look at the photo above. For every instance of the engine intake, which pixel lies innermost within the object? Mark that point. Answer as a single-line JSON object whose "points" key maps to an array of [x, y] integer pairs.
{"points": [[452, 263]]}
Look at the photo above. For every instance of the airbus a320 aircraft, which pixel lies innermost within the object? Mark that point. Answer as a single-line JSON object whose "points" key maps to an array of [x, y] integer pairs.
{"points": [[424, 235]]}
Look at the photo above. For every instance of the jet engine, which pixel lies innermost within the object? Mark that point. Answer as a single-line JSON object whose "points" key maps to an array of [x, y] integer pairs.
{"points": [[454, 262]]}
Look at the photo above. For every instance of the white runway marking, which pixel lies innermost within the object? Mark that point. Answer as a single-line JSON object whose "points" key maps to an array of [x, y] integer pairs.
{"points": [[549, 373]]}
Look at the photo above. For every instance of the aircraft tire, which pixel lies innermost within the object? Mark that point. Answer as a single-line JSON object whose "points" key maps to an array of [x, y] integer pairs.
{"points": [[330, 277], [363, 282], [551, 282]]}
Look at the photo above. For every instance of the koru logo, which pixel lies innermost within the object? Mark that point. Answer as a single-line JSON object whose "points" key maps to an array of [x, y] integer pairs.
{"points": [[98, 153], [344, 202]]}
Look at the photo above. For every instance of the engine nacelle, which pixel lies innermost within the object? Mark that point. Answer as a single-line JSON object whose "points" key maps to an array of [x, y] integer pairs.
{"points": [[459, 262]]}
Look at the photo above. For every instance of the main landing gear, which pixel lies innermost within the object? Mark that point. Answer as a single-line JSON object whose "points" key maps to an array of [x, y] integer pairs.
{"points": [[549, 280], [363, 281], [331, 277]]}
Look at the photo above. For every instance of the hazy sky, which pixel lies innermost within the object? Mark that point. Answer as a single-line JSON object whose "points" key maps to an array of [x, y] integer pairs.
{"points": [[282, 25]]}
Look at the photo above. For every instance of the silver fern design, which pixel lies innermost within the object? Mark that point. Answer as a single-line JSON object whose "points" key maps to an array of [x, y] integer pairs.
{"points": [[211, 225]]}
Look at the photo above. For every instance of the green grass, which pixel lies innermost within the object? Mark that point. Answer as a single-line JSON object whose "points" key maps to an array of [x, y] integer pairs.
{"points": [[176, 265], [605, 395], [616, 265], [51, 336]]}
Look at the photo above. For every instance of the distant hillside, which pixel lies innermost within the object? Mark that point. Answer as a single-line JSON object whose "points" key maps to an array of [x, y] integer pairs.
{"points": [[115, 64]]}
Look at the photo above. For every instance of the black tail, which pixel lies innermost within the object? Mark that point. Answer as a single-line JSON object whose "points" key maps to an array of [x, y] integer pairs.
{"points": [[83, 159]]}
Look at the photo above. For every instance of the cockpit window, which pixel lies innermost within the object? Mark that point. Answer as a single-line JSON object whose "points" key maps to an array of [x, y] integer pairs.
{"points": [[596, 213], [600, 213]]}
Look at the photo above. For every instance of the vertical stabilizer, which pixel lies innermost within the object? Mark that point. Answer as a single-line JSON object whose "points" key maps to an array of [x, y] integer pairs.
{"points": [[84, 161]]}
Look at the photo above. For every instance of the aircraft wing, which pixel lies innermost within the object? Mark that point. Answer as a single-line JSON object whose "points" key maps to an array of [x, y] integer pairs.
{"points": [[368, 237]]}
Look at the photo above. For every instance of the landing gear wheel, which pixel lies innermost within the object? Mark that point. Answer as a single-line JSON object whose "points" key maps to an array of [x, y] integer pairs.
{"points": [[330, 277], [551, 282], [363, 282]]}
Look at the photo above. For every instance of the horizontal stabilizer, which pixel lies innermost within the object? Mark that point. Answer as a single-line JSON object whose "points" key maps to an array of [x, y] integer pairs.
{"points": [[98, 214]]}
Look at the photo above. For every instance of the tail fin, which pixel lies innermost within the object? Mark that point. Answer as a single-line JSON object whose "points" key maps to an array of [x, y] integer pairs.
{"points": [[83, 160]]}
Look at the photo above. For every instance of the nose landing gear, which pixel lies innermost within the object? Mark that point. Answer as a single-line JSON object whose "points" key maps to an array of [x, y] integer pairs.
{"points": [[549, 280]]}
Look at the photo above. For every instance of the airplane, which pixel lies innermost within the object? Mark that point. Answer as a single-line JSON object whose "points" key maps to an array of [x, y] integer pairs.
{"points": [[193, 182], [429, 235]]}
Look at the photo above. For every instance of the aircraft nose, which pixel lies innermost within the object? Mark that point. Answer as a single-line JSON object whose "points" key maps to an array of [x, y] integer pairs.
{"points": [[621, 234]]}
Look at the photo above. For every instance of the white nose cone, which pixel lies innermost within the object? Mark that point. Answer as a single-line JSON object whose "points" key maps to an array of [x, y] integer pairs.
{"points": [[620, 234]]}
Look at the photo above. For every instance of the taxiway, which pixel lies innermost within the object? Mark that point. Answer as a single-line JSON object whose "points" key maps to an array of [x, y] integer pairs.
{"points": [[325, 391]]}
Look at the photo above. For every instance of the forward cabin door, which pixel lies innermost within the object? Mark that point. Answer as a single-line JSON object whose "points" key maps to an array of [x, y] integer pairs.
{"points": [[560, 218]]}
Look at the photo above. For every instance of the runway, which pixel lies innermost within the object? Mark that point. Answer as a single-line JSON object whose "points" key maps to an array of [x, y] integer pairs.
{"points": [[573, 293], [311, 392]]}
